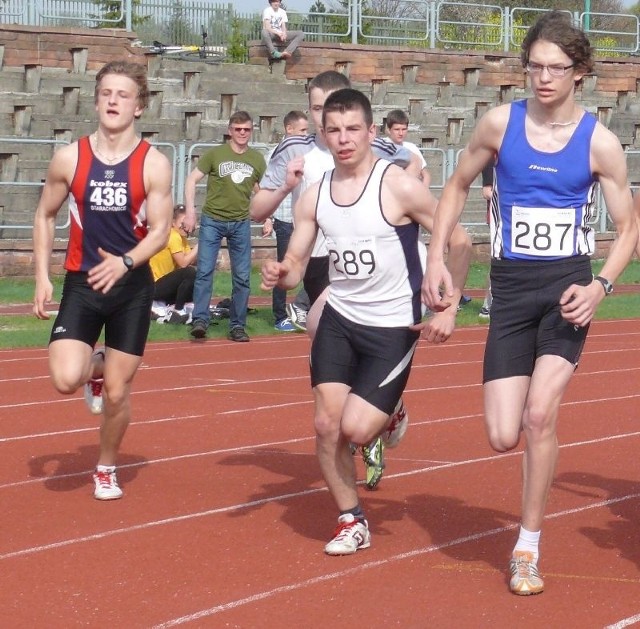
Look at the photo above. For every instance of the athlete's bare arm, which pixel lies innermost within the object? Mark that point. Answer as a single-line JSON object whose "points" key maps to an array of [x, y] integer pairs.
{"points": [[636, 209], [418, 204], [610, 166], [266, 201], [54, 194], [440, 326], [289, 273], [159, 212], [483, 145]]}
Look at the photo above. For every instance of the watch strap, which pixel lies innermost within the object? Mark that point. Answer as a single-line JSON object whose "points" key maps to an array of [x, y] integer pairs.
{"points": [[606, 284]]}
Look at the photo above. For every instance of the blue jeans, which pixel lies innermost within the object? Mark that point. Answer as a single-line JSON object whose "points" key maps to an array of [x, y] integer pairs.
{"points": [[283, 232], [238, 235]]}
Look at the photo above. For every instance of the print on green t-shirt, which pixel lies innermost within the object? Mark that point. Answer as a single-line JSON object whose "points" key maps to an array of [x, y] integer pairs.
{"points": [[231, 178]]}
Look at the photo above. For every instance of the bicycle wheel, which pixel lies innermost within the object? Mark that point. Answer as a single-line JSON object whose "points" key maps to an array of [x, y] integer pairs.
{"points": [[206, 56]]}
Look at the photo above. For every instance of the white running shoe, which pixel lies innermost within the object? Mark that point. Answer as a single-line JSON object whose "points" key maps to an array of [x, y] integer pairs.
{"points": [[394, 432], [93, 391], [525, 578], [350, 536], [106, 485]]}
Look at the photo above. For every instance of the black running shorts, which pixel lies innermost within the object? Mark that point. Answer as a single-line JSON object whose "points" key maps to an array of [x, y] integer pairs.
{"points": [[316, 278], [124, 312], [375, 362], [525, 315]]}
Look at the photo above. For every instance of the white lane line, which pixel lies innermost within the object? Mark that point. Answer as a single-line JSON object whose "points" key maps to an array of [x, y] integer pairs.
{"points": [[205, 613], [279, 498], [72, 431], [626, 622]]}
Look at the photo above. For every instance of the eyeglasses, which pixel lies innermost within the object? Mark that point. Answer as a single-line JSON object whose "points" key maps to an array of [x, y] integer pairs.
{"points": [[553, 70], [241, 129]]}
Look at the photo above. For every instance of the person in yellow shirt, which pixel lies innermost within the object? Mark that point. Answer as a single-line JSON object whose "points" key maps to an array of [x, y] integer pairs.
{"points": [[173, 271]]}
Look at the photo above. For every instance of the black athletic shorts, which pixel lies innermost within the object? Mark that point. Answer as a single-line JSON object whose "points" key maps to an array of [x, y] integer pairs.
{"points": [[124, 312], [316, 277], [375, 362], [525, 315]]}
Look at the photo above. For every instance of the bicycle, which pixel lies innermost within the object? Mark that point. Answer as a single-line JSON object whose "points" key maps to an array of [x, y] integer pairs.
{"points": [[203, 52]]}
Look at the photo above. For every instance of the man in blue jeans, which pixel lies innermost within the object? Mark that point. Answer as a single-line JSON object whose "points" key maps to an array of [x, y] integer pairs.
{"points": [[233, 171]]}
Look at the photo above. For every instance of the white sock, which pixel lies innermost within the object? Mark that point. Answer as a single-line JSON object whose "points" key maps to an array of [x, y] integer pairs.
{"points": [[528, 541], [106, 468]]}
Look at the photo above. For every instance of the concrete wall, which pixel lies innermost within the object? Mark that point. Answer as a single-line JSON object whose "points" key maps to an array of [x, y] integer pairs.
{"points": [[47, 76]]}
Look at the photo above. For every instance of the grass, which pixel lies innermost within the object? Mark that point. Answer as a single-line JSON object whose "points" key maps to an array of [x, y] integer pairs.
{"points": [[27, 331]]}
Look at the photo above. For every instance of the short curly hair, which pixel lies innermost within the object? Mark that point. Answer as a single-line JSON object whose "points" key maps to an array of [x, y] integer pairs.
{"points": [[557, 27]]}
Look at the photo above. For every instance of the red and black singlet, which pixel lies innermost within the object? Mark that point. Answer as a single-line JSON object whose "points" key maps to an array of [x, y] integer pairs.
{"points": [[107, 204]]}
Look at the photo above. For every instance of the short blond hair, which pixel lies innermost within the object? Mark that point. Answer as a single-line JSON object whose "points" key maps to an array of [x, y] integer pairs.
{"points": [[135, 71]]}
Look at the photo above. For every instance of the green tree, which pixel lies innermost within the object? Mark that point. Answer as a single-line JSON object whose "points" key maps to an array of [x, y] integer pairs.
{"points": [[177, 29], [237, 51], [113, 10]]}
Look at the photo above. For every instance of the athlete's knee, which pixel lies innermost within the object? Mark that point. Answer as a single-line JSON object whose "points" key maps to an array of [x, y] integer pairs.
{"points": [[356, 431], [67, 380], [538, 421], [503, 440], [116, 394], [64, 385], [327, 426]]}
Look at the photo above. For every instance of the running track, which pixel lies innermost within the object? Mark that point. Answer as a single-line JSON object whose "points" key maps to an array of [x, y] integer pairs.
{"points": [[225, 514]]}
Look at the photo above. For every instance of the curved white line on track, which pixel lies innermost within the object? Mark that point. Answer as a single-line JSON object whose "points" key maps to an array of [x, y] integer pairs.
{"points": [[205, 613], [626, 622]]}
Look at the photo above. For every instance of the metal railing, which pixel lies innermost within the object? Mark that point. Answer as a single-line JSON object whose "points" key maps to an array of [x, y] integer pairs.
{"points": [[440, 162], [421, 23]]}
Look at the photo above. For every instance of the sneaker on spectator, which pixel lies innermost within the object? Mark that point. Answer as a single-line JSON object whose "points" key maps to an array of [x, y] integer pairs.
{"points": [[93, 391], [285, 326], [198, 329], [350, 536], [373, 457], [158, 310], [484, 313], [106, 485], [297, 316], [464, 300], [394, 432], [217, 313], [276, 54], [238, 334], [177, 317], [525, 578]]}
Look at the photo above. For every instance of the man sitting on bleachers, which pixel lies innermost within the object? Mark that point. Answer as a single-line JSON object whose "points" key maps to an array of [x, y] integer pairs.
{"points": [[274, 29]]}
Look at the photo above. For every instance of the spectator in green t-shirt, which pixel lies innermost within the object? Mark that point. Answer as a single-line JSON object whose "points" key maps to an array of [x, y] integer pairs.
{"points": [[233, 171]]}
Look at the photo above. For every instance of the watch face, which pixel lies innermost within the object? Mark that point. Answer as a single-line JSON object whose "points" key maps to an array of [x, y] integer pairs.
{"points": [[128, 262]]}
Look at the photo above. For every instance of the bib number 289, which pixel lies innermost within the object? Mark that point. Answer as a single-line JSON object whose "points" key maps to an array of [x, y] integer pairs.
{"points": [[353, 258]]}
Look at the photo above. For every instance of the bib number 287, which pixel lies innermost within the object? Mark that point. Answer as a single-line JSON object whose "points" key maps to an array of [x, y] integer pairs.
{"points": [[542, 232]]}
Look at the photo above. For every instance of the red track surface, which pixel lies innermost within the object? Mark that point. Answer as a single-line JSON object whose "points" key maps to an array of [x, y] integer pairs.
{"points": [[225, 513]]}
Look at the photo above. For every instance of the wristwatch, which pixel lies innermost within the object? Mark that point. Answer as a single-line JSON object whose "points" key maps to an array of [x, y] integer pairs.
{"points": [[128, 262], [606, 284]]}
